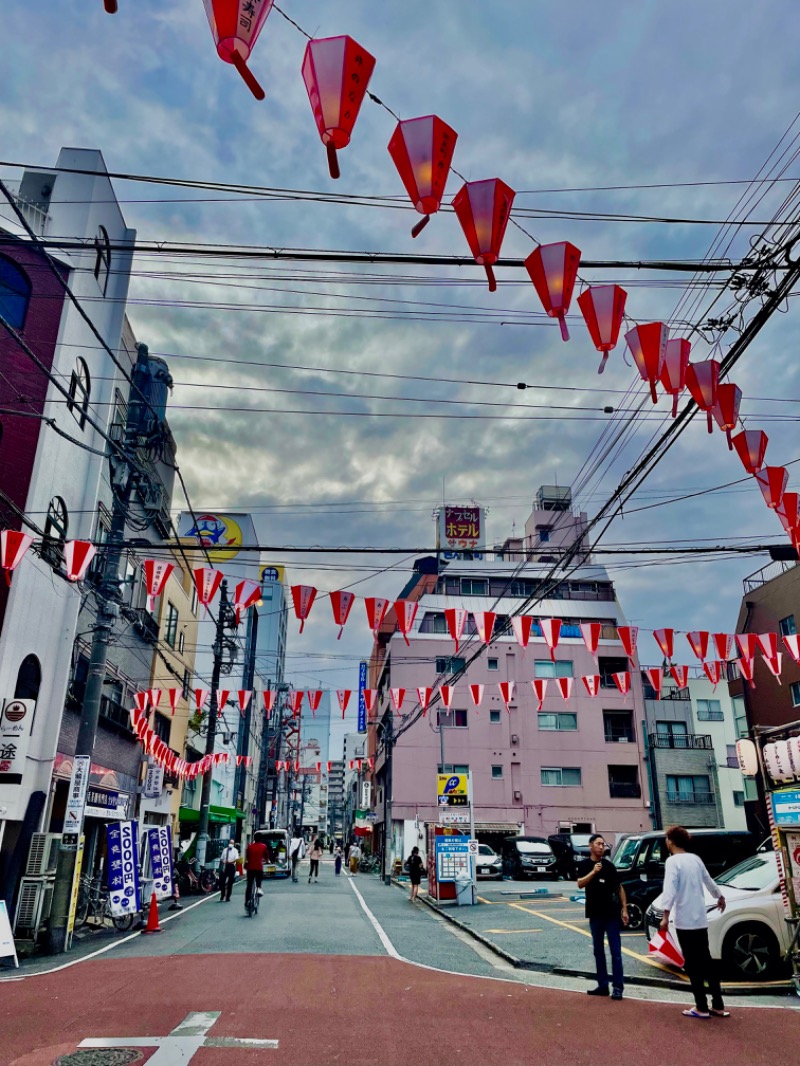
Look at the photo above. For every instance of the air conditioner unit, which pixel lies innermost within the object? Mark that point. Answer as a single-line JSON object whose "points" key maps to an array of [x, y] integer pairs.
{"points": [[43, 854], [33, 906]]}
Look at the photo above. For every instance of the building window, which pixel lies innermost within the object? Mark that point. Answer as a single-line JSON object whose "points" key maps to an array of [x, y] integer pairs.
{"points": [[547, 668], [787, 626], [29, 679], [689, 788], [450, 666], [618, 727], [740, 717], [559, 722], [493, 664], [102, 259], [473, 586], [795, 690], [161, 727], [171, 630], [453, 719], [453, 768], [187, 681], [80, 387], [738, 799], [607, 666], [710, 711], [494, 716], [195, 599], [543, 533], [15, 293], [677, 732], [623, 782], [55, 530], [750, 789], [497, 773], [181, 642], [565, 776], [434, 622]]}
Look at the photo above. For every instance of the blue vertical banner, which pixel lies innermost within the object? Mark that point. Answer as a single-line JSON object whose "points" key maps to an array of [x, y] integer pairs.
{"points": [[124, 889], [362, 707], [159, 845]]}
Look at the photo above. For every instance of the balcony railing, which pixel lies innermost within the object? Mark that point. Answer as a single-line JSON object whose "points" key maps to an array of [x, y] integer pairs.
{"points": [[114, 712], [767, 573], [624, 790], [681, 741], [682, 798], [619, 736]]}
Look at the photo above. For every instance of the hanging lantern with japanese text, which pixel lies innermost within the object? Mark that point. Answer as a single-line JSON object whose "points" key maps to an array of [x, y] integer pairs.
{"points": [[603, 308], [235, 26], [702, 381], [483, 208], [726, 409], [673, 372], [13, 546], [422, 150], [553, 269], [751, 447], [648, 346], [772, 482]]}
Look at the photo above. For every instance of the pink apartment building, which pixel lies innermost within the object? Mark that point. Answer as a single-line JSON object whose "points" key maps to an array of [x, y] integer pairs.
{"points": [[576, 764]]}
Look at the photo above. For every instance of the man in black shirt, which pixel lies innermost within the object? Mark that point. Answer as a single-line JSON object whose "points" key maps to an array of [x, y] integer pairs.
{"points": [[607, 911]]}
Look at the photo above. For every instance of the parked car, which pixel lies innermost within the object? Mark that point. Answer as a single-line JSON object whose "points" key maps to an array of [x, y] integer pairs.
{"points": [[570, 850], [640, 861], [489, 863], [751, 935], [528, 857]]}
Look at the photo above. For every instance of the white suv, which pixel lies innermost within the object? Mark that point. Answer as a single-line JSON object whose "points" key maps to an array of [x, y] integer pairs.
{"points": [[751, 935], [488, 863]]}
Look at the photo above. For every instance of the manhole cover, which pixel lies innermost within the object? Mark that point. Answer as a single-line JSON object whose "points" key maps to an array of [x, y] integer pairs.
{"points": [[101, 1057]]}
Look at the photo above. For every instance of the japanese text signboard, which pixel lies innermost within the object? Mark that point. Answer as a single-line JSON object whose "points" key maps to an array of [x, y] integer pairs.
{"points": [[452, 790], [362, 706], [76, 800], [460, 528], [16, 723], [452, 858], [124, 890], [786, 807], [159, 842]]}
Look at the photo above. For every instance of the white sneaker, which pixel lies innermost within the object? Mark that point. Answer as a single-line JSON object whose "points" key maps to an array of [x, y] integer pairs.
{"points": [[259, 892]]}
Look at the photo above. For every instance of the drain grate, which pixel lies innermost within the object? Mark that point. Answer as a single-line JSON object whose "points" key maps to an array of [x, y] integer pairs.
{"points": [[101, 1057]]}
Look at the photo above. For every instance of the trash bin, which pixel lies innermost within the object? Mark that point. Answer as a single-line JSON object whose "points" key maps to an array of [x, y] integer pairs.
{"points": [[465, 895]]}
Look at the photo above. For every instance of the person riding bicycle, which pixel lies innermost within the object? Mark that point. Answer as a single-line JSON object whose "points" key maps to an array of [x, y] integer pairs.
{"points": [[254, 858]]}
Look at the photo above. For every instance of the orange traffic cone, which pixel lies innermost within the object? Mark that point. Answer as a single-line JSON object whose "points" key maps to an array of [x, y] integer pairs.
{"points": [[152, 917]]}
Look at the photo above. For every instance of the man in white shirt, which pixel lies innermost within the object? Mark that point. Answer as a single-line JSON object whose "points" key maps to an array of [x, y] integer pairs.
{"points": [[297, 851], [685, 876], [227, 871]]}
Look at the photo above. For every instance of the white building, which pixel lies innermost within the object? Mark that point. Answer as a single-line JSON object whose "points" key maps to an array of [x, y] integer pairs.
{"points": [[713, 713]]}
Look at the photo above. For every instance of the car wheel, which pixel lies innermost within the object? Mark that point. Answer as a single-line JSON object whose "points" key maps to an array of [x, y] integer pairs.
{"points": [[750, 951], [635, 915]]}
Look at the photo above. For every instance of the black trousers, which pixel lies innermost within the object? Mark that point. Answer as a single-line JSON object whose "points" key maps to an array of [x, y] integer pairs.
{"points": [[254, 879], [314, 870], [700, 967], [226, 879]]}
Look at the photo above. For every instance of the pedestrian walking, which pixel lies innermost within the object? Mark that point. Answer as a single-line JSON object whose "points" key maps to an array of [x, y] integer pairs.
{"points": [[415, 866], [685, 876], [355, 856], [297, 851], [227, 871], [316, 853], [607, 911], [337, 860]]}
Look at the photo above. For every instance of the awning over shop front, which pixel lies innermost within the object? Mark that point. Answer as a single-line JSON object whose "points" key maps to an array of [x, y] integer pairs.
{"points": [[511, 828], [217, 815]]}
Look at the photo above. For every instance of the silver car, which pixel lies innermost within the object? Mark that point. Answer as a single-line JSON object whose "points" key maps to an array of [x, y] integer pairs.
{"points": [[489, 863]]}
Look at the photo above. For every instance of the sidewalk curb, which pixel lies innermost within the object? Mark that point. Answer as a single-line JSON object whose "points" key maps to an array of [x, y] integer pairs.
{"points": [[563, 971]]}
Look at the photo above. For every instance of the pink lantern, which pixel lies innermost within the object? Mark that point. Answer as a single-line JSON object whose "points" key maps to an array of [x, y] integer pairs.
{"points": [[13, 546], [521, 624], [592, 683], [553, 269], [484, 623], [336, 71], [376, 608], [424, 697], [680, 675], [235, 26], [788, 511], [628, 635], [406, 611], [723, 642], [476, 694], [303, 599], [772, 482], [648, 346], [792, 643], [664, 639], [78, 554], [751, 447], [539, 686], [343, 696], [341, 604], [673, 372], [551, 631], [699, 642], [447, 692], [603, 308], [156, 573], [206, 582], [726, 409], [654, 677], [246, 595], [398, 695], [422, 150], [506, 693], [565, 686], [590, 631], [456, 618], [713, 671], [702, 381], [483, 208]]}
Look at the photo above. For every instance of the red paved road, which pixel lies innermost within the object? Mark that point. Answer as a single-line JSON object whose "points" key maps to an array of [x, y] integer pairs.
{"points": [[365, 1011]]}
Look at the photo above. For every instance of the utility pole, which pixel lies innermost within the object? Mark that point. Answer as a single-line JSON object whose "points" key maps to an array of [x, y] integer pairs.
{"points": [[389, 742], [243, 736], [125, 476], [223, 620]]}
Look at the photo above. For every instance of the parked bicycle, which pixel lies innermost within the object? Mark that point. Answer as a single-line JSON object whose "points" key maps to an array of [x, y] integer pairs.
{"points": [[368, 864], [193, 879], [94, 906]]}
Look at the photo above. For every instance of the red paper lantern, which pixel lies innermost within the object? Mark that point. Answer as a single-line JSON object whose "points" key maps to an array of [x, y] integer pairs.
{"points": [[628, 635], [539, 686], [565, 686], [314, 698], [13, 546], [456, 618], [406, 612], [680, 675], [507, 692], [590, 631], [424, 697], [398, 695], [484, 623], [483, 208], [246, 595], [553, 269], [235, 26], [648, 345], [343, 696], [726, 409], [447, 692], [792, 643], [521, 624], [699, 642], [673, 372], [303, 597], [702, 381], [336, 71], [654, 676], [476, 694], [551, 631], [664, 639], [156, 574], [341, 605], [603, 308], [592, 683], [422, 150], [78, 554], [376, 608], [723, 642], [751, 447], [788, 511], [772, 482], [206, 582]]}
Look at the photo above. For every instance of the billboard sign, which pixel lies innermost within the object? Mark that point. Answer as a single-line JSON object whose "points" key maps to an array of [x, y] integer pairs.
{"points": [[220, 534], [452, 790], [124, 890], [16, 723], [76, 800], [460, 528], [362, 707], [786, 807]]}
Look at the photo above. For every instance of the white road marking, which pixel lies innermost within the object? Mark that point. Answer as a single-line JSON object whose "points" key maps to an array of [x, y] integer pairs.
{"points": [[388, 946]]}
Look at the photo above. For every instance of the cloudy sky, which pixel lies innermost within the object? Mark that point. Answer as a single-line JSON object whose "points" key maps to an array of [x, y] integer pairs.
{"points": [[676, 105]]}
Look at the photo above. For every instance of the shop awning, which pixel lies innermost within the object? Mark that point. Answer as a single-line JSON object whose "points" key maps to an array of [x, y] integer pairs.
{"points": [[217, 815], [511, 828]]}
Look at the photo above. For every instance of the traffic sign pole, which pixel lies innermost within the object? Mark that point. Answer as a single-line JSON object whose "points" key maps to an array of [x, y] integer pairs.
{"points": [[473, 859]]}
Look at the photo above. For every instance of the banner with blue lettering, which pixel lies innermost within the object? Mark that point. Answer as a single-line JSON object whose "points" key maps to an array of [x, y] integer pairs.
{"points": [[159, 844], [124, 890], [362, 707]]}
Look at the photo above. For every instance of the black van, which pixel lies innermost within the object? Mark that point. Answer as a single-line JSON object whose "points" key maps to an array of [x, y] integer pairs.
{"points": [[528, 857], [640, 859]]}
